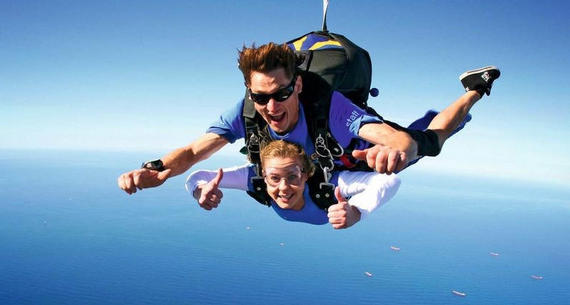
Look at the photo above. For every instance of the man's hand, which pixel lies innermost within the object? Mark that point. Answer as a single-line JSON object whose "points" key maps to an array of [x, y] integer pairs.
{"points": [[342, 215], [141, 179], [393, 148], [208, 194], [382, 159], [178, 161]]}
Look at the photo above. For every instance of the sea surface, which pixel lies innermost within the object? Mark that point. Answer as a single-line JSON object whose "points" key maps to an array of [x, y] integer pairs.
{"points": [[68, 235]]}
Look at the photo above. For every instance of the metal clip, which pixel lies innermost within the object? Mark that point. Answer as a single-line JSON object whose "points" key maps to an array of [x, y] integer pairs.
{"points": [[321, 149], [327, 175], [325, 158], [253, 145]]}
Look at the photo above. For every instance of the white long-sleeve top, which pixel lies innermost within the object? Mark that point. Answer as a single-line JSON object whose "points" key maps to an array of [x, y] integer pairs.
{"points": [[365, 190]]}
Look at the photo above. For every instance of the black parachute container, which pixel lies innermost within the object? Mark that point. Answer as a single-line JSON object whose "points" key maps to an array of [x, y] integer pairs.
{"points": [[345, 66]]}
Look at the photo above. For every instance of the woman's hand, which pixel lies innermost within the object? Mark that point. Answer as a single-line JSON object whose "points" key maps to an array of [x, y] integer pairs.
{"points": [[342, 215], [208, 194]]}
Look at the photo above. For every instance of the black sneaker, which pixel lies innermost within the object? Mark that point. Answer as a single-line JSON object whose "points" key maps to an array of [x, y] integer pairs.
{"points": [[480, 80]]}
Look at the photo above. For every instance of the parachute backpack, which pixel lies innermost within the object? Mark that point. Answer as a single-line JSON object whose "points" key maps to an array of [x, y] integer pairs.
{"points": [[327, 62], [345, 66]]}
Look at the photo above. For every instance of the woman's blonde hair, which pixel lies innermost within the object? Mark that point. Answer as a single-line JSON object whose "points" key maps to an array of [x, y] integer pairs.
{"points": [[283, 149]]}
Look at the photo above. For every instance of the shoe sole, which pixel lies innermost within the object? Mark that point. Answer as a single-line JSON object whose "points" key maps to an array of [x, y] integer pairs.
{"points": [[471, 72]]}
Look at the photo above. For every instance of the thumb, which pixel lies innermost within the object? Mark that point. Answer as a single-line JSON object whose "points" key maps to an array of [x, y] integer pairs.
{"points": [[359, 154], [338, 196], [216, 181], [162, 176]]}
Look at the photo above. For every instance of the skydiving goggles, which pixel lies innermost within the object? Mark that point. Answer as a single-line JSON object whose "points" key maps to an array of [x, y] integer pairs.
{"points": [[292, 175], [279, 95]]}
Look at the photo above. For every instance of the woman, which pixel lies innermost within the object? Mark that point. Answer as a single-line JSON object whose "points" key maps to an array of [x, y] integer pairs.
{"points": [[286, 169]]}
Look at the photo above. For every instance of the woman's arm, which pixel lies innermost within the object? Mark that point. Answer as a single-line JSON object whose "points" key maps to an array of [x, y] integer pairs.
{"points": [[367, 190], [204, 185]]}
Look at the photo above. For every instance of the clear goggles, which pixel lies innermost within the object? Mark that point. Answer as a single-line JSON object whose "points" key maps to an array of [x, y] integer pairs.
{"points": [[291, 175]]}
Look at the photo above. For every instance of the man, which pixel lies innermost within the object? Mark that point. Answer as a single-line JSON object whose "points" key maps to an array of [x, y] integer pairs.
{"points": [[274, 86]]}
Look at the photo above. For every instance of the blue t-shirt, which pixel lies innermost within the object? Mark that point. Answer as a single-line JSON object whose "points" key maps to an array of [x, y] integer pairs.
{"points": [[310, 213], [345, 120]]}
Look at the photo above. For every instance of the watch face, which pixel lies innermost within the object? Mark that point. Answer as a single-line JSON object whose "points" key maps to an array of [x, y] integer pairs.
{"points": [[154, 165]]}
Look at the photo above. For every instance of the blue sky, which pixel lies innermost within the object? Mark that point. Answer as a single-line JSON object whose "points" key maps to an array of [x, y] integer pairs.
{"points": [[151, 75]]}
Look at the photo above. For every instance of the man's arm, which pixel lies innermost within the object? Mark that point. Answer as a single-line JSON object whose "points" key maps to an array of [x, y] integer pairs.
{"points": [[393, 150], [392, 137], [181, 159], [394, 147], [175, 163]]}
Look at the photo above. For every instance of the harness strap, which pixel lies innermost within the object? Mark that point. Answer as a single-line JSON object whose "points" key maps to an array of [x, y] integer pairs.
{"points": [[346, 162], [321, 192], [254, 141]]}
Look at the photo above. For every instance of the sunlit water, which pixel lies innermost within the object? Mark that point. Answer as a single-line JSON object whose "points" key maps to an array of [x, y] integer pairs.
{"points": [[70, 236]]}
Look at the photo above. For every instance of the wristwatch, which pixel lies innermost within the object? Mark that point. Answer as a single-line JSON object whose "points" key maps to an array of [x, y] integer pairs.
{"points": [[156, 165]]}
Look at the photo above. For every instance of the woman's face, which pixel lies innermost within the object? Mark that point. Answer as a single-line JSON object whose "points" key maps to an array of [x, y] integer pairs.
{"points": [[285, 179]]}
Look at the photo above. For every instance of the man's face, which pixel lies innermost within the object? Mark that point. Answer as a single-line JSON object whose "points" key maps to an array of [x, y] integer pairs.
{"points": [[280, 116]]}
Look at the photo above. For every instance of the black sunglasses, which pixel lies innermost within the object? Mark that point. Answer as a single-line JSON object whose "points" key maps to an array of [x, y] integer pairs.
{"points": [[279, 95]]}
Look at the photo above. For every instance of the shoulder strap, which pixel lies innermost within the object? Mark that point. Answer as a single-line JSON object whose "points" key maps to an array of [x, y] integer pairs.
{"points": [[256, 135], [316, 102]]}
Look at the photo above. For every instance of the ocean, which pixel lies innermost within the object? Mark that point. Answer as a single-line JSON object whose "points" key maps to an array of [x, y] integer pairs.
{"points": [[68, 235]]}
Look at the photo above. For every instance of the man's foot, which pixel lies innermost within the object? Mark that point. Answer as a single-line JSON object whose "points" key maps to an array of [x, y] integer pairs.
{"points": [[480, 80]]}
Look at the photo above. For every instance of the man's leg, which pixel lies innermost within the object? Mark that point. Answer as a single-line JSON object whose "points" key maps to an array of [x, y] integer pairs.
{"points": [[445, 122], [441, 125], [477, 83]]}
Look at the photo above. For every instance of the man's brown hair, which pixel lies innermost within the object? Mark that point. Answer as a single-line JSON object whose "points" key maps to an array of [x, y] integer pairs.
{"points": [[265, 58]]}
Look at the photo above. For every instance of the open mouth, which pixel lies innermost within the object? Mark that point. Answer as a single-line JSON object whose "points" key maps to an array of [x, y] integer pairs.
{"points": [[285, 198], [277, 118]]}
